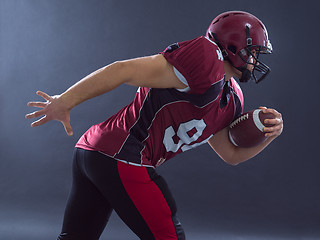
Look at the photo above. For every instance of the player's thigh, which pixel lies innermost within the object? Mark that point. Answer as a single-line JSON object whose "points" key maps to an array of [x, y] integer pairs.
{"points": [[87, 210], [103, 172], [151, 200], [133, 192]]}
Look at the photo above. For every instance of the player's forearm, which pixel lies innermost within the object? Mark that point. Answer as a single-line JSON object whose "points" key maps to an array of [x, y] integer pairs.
{"points": [[239, 155], [99, 82]]}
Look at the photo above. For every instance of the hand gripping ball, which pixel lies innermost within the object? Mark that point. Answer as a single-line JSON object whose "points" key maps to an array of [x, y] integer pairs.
{"points": [[247, 130]]}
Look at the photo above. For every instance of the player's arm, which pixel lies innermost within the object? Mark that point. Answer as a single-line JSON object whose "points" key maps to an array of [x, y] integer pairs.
{"points": [[153, 71], [233, 155]]}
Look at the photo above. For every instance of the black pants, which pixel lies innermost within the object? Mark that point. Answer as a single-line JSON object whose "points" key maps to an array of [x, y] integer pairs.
{"points": [[138, 195]]}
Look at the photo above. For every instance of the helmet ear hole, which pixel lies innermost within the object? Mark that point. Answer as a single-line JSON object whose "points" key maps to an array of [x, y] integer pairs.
{"points": [[232, 49]]}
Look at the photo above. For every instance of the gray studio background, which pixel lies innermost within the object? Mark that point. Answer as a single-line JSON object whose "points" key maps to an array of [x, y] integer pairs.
{"points": [[50, 44]]}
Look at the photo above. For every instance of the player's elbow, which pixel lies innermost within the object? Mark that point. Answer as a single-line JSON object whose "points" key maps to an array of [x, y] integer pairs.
{"points": [[130, 72], [122, 68], [231, 161], [237, 158], [234, 157], [229, 155]]}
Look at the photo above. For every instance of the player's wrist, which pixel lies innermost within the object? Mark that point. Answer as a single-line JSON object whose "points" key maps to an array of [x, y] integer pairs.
{"points": [[68, 100]]}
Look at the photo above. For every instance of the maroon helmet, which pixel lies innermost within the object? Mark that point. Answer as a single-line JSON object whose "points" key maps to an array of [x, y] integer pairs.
{"points": [[237, 34]]}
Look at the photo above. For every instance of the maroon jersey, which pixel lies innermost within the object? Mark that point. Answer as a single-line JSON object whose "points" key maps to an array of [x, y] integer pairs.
{"points": [[161, 123]]}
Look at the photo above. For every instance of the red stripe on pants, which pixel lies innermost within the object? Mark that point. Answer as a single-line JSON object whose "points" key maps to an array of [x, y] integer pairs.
{"points": [[149, 200]]}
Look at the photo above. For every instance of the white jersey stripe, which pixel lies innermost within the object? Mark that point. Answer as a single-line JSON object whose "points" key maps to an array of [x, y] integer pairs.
{"points": [[182, 79]]}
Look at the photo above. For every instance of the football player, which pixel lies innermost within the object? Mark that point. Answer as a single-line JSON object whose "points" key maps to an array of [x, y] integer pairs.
{"points": [[186, 96]]}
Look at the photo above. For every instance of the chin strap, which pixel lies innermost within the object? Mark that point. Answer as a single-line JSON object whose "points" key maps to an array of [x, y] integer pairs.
{"points": [[246, 75]]}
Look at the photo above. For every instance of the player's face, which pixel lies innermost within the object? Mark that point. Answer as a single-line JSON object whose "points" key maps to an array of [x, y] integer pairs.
{"points": [[252, 61], [252, 65]]}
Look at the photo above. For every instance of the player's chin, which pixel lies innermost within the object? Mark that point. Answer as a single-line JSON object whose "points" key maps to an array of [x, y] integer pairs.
{"points": [[237, 73]]}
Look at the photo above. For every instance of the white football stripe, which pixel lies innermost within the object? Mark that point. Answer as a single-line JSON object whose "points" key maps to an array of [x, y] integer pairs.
{"points": [[231, 139], [256, 120]]}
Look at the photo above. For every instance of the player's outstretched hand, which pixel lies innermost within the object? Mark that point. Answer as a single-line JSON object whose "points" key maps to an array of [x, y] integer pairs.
{"points": [[53, 109], [277, 122]]}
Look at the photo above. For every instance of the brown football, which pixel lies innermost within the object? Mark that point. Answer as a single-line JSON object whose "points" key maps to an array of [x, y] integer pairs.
{"points": [[247, 130]]}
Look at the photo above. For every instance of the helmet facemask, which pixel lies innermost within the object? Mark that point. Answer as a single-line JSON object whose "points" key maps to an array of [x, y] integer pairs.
{"points": [[250, 56]]}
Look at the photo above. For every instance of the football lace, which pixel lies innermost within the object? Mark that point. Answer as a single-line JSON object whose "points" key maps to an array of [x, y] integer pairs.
{"points": [[239, 119]]}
